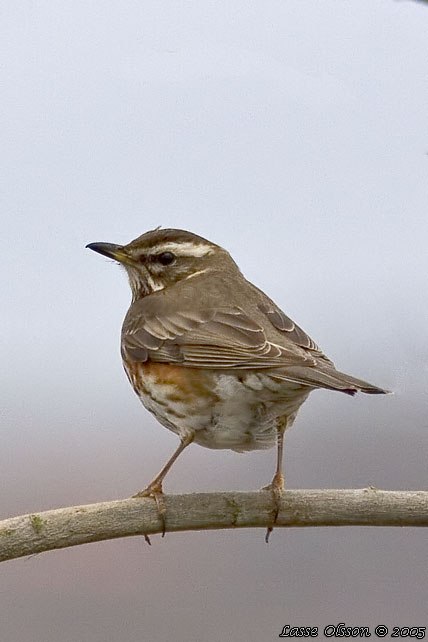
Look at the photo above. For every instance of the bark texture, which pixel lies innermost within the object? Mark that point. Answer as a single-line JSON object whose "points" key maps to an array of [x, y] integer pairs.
{"points": [[62, 527]]}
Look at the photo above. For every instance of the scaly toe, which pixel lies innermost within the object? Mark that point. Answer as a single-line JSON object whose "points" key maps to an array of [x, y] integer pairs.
{"points": [[277, 484], [155, 491], [151, 491], [275, 487]]}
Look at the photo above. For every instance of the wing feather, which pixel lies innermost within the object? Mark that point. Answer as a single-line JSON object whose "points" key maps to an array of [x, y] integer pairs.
{"points": [[217, 338], [254, 334], [283, 323]]}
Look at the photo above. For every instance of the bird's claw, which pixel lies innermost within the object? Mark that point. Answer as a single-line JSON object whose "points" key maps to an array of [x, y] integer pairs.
{"points": [[155, 491], [275, 487]]}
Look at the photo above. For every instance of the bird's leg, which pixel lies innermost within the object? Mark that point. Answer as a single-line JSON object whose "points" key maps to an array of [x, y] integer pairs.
{"points": [[154, 489], [277, 484]]}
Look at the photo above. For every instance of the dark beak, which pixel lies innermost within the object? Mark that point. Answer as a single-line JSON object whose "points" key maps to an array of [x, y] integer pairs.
{"points": [[111, 250]]}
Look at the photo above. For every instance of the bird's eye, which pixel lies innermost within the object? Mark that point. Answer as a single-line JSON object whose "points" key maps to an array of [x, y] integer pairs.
{"points": [[166, 258]]}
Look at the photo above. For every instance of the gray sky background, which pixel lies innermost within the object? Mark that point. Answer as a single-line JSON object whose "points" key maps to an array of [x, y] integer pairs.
{"points": [[294, 134]]}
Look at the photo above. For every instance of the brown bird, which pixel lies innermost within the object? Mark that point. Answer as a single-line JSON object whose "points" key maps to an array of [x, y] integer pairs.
{"points": [[210, 355]]}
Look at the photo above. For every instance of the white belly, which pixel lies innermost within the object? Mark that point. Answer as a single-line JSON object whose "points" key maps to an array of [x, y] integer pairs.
{"points": [[242, 414]]}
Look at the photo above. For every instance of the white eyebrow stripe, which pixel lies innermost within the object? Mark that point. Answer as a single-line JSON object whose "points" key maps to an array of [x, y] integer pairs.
{"points": [[183, 249]]}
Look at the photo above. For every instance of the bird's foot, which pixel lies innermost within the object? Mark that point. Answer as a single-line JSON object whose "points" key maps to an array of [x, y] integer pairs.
{"points": [[275, 487], [155, 491]]}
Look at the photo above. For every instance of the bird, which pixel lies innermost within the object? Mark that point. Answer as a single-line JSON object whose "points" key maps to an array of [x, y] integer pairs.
{"points": [[210, 355]]}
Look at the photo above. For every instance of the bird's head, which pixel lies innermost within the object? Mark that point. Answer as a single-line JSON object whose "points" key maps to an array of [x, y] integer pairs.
{"points": [[162, 257]]}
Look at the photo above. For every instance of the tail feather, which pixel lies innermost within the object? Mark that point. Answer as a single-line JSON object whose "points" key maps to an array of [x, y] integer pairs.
{"points": [[330, 378]]}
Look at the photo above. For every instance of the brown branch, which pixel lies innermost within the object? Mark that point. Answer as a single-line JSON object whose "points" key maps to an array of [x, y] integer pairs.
{"points": [[29, 534]]}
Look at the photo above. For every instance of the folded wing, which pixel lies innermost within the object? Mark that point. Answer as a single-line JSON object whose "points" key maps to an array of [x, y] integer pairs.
{"points": [[222, 338], [216, 338]]}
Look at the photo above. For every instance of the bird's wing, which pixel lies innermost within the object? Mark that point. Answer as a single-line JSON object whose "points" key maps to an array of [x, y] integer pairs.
{"points": [[280, 321], [205, 338], [321, 373], [221, 338]]}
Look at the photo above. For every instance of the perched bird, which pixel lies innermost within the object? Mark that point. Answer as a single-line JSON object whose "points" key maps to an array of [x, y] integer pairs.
{"points": [[210, 355]]}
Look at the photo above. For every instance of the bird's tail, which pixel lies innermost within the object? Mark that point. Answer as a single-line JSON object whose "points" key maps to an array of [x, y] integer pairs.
{"points": [[328, 377]]}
